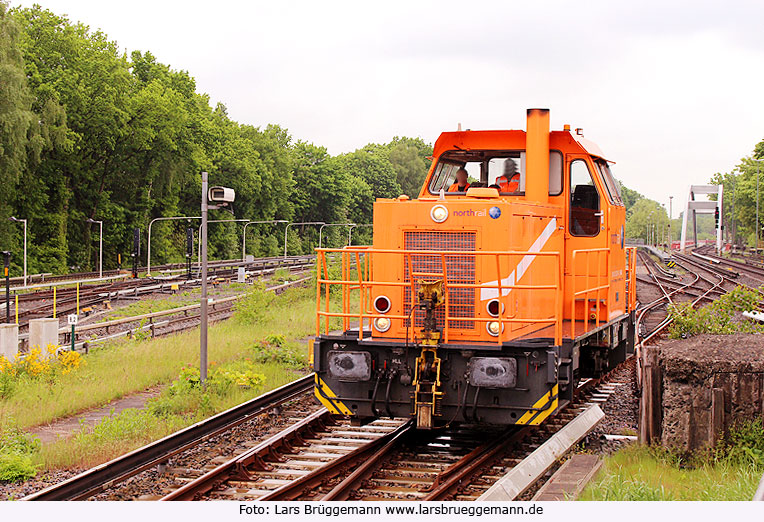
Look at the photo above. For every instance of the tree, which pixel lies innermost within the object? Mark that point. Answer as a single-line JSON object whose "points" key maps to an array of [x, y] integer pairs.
{"points": [[644, 214], [408, 156], [629, 196], [740, 197], [20, 137]]}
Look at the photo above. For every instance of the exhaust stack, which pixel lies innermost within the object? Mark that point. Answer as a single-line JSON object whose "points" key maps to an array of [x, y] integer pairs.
{"points": [[537, 156]]}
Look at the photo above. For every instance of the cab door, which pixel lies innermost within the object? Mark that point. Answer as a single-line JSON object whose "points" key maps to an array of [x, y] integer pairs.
{"points": [[586, 245]]}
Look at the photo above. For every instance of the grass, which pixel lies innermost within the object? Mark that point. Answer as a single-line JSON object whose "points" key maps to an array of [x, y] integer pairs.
{"points": [[637, 473], [173, 410], [729, 472], [121, 368], [148, 306], [184, 298]]}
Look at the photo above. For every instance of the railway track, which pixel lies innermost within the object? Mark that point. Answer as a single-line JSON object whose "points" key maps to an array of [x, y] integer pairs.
{"points": [[106, 476], [163, 323], [323, 459], [317, 457], [41, 280], [41, 304], [705, 284]]}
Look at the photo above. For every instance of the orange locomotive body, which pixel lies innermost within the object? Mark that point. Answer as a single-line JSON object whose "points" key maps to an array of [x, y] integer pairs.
{"points": [[481, 305]]}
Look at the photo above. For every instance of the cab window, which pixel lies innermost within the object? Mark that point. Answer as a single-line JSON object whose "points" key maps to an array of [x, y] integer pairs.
{"points": [[504, 170], [611, 186], [584, 201]]}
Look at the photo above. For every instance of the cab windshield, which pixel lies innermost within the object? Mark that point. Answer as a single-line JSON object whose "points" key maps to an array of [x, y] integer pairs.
{"points": [[503, 170]]}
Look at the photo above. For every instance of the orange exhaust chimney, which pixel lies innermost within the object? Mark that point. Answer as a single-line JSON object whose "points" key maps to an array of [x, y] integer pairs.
{"points": [[537, 156]]}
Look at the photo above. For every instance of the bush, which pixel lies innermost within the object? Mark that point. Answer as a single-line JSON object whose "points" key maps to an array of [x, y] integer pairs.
{"points": [[186, 395], [34, 366], [275, 349], [719, 317], [252, 308], [743, 445], [16, 452]]}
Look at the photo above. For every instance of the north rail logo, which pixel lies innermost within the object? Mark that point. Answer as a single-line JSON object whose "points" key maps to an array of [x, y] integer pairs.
{"points": [[493, 212]]}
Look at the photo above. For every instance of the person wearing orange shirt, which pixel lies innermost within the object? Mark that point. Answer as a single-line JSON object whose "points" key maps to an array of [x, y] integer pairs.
{"points": [[461, 184], [510, 180]]}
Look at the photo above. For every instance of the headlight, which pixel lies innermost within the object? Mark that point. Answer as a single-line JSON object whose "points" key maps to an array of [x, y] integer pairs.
{"points": [[349, 366], [382, 324], [439, 213], [382, 304], [492, 372], [493, 328]]}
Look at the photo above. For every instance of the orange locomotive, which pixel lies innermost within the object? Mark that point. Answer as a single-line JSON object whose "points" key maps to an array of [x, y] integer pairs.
{"points": [[484, 305]]}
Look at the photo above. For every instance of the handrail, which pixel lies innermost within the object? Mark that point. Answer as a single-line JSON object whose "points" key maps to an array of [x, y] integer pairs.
{"points": [[631, 282], [586, 291], [363, 283]]}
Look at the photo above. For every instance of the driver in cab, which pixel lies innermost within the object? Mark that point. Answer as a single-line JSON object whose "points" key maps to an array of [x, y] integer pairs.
{"points": [[461, 184], [510, 180]]}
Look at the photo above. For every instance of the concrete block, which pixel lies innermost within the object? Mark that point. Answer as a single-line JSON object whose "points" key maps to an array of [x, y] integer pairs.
{"points": [[9, 340], [241, 277], [43, 332], [522, 476], [708, 383]]}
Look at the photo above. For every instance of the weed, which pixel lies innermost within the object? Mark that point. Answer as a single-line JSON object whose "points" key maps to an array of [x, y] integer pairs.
{"points": [[730, 472], [17, 451], [275, 349], [251, 309], [139, 334], [719, 317], [122, 367], [743, 445]]}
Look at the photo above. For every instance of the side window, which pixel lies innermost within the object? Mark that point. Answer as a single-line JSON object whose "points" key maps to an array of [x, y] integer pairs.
{"points": [[555, 173], [584, 201]]}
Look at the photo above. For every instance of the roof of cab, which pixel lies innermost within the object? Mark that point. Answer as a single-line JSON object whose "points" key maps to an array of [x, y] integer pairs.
{"points": [[511, 139]]}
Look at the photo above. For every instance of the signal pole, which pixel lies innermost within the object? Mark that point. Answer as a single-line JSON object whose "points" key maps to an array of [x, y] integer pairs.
{"points": [[203, 308]]}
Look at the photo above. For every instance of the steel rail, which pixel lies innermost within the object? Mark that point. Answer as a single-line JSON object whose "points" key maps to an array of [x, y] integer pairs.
{"points": [[668, 320], [236, 467], [104, 476], [364, 454], [450, 479]]}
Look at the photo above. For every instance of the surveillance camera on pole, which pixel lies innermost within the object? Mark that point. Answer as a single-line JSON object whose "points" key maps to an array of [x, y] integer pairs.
{"points": [[221, 196]]}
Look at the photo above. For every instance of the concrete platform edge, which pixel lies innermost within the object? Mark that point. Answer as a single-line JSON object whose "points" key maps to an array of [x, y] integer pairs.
{"points": [[522, 476]]}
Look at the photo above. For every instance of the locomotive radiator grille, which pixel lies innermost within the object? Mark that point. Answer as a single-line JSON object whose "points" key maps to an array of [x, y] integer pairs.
{"points": [[460, 269]]}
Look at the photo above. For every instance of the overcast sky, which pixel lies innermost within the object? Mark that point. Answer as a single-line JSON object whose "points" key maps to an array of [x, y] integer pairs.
{"points": [[672, 91]]}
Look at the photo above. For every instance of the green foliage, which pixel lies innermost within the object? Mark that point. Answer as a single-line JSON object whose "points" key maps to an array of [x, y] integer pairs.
{"points": [[743, 445], [730, 472], [17, 451], [644, 213], [251, 309], [186, 394], [629, 196], [7, 385], [275, 349], [719, 317], [92, 132], [740, 187]]}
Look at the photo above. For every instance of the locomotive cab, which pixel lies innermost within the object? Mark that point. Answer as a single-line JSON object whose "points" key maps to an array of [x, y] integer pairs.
{"points": [[488, 304]]}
